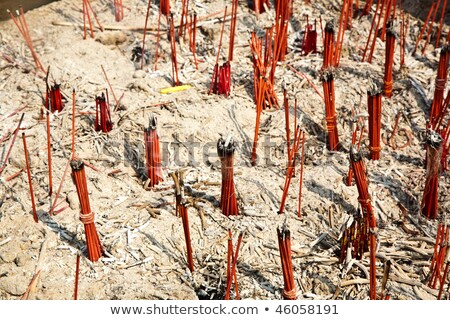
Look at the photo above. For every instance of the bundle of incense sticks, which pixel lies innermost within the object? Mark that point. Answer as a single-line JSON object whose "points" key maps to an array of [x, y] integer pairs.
{"points": [[152, 153], [330, 110], [440, 257], [259, 6], [383, 6], [355, 237], [234, 7], [403, 33], [441, 24], [184, 18], [374, 106], [328, 88], [389, 59], [264, 87], [103, 114], [30, 179], [56, 103], [359, 123], [344, 21], [361, 181], [183, 210], [299, 137], [430, 194], [164, 7], [282, 16], [232, 265], [86, 8], [173, 47], [429, 24], [118, 10], [142, 54], [225, 150], [94, 247], [309, 44], [21, 24], [192, 29], [284, 244], [441, 82], [221, 77], [366, 9]]}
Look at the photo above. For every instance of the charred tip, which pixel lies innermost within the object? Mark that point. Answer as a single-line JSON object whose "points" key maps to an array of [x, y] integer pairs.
{"points": [[329, 27], [390, 31], [327, 75], [77, 165], [374, 89], [152, 122], [433, 139], [355, 154], [225, 147]]}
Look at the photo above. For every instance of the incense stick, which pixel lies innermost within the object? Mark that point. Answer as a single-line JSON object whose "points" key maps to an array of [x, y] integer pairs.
{"points": [[30, 180]]}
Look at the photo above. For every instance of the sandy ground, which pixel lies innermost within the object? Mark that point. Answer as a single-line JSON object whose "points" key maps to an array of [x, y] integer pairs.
{"points": [[146, 253]]}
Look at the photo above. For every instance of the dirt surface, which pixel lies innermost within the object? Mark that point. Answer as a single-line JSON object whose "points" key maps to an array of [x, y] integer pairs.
{"points": [[146, 251]]}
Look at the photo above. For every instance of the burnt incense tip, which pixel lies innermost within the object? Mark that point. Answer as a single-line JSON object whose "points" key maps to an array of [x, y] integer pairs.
{"points": [[390, 31], [445, 48], [374, 89], [327, 75], [355, 154], [77, 165], [225, 147], [433, 139], [329, 27], [152, 121]]}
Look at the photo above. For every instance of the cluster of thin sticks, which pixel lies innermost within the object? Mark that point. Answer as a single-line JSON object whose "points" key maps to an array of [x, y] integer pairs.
{"points": [[428, 26], [221, 77], [21, 24], [118, 10], [284, 244], [228, 202], [292, 151], [86, 15], [440, 259], [152, 153], [368, 215], [309, 43], [383, 10], [389, 59], [103, 120], [328, 87], [232, 257]]}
